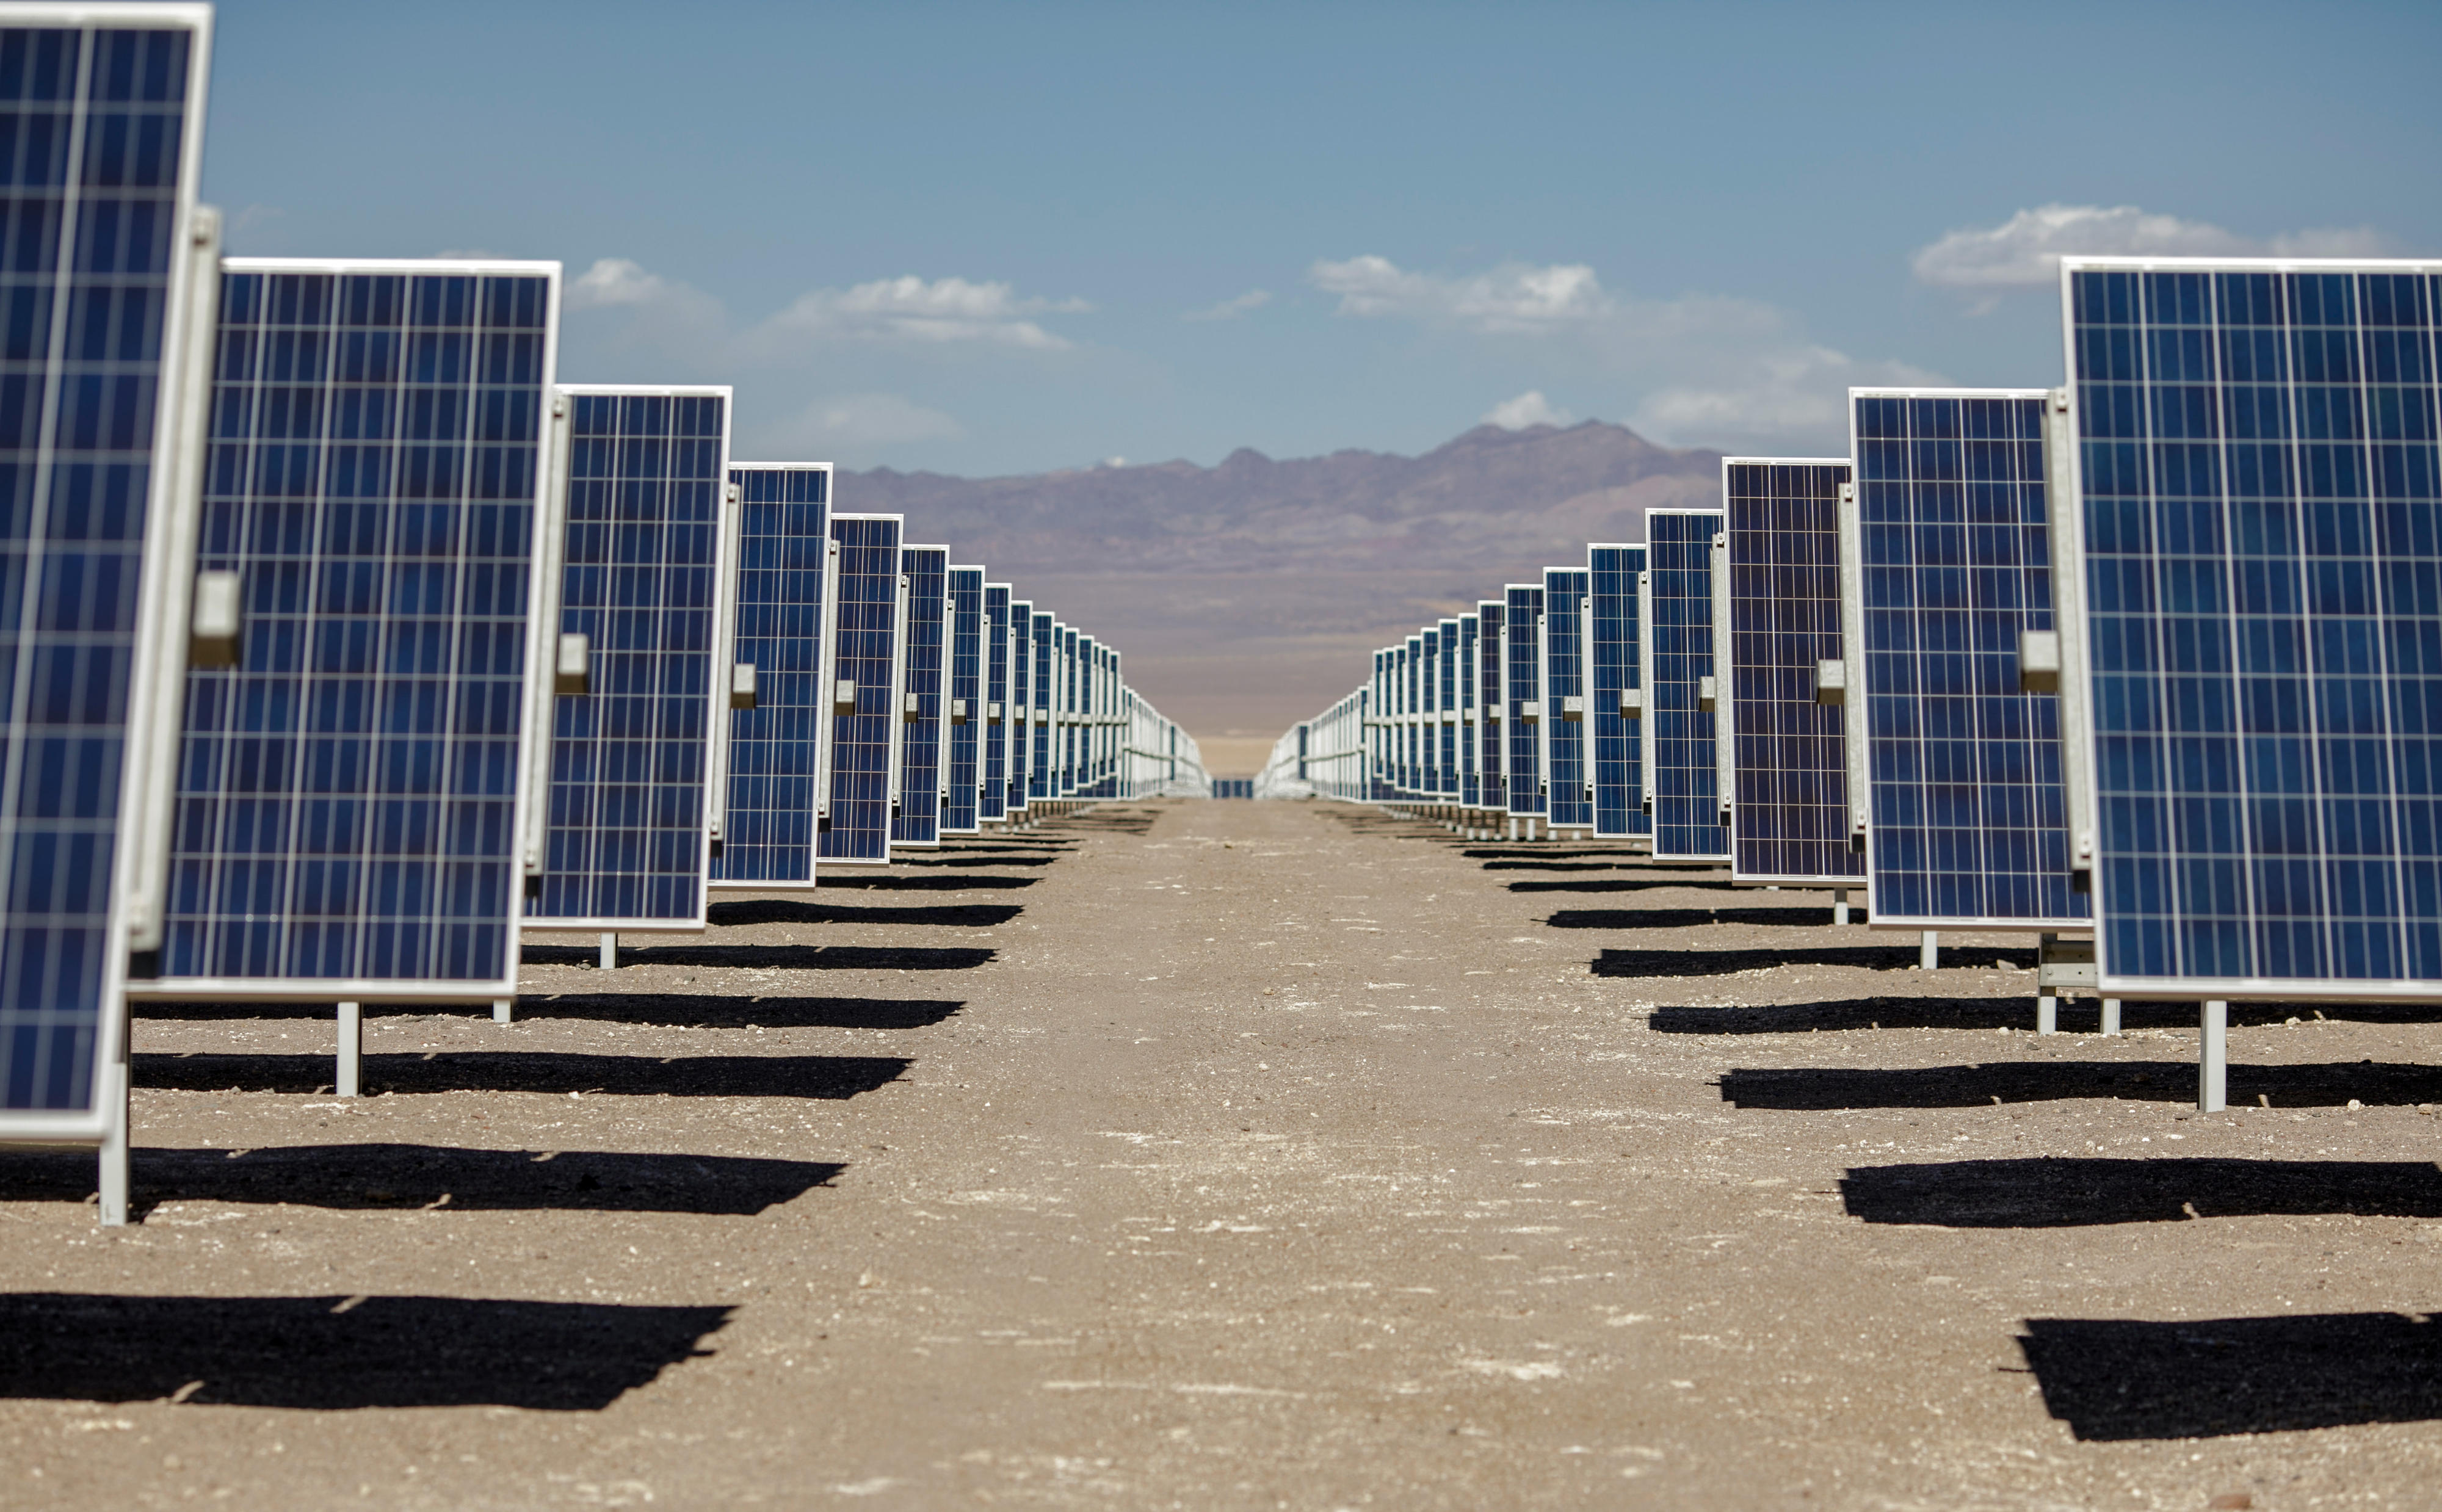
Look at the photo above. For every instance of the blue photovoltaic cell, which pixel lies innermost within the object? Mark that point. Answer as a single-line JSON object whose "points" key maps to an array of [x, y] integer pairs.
{"points": [[776, 747], [1382, 761], [992, 779], [1041, 775], [1491, 757], [1564, 677], [1021, 704], [628, 823], [1522, 633], [1615, 667], [864, 654], [1447, 709], [2259, 474], [1788, 768], [960, 797], [1470, 774], [924, 659], [1066, 680], [97, 125], [1411, 726], [1965, 819], [347, 813], [1684, 783], [1080, 661]]}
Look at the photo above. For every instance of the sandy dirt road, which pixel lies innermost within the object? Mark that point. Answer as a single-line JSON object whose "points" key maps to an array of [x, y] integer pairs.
{"points": [[1238, 1155]]}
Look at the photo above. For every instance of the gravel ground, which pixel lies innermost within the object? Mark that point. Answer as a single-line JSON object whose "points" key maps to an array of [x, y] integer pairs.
{"points": [[1247, 1155]]}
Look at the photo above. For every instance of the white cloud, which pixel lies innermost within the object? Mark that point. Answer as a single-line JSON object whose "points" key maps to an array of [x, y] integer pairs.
{"points": [[1779, 396], [1699, 369], [1510, 300], [909, 309], [1232, 309], [615, 280], [1528, 408], [857, 423], [2026, 250]]}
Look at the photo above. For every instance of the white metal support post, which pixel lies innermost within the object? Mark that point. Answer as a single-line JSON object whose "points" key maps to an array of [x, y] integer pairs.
{"points": [[610, 950], [2212, 1070], [504, 1009], [113, 1177], [1840, 905], [2047, 999], [1928, 952], [350, 1080], [2111, 1015]]}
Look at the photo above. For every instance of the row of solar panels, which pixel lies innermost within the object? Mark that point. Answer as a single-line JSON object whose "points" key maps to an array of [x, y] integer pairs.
{"points": [[2214, 737], [342, 639]]}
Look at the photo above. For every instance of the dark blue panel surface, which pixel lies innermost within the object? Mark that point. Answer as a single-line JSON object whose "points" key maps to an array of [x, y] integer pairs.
{"points": [[1567, 798], [1788, 768], [1685, 784], [1966, 817], [1470, 763], [865, 653], [1446, 725], [1067, 690], [1042, 773], [963, 771], [1492, 756], [1615, 667], [776, 747], [347, 799], [628, 815], [95, 122], [925, 671], [2259, 480], [1522, 688], [992, 782]]}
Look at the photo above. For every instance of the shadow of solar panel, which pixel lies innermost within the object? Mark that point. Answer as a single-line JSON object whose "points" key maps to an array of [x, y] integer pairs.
{"points": [[1967, 823], [2121, 1379], [866, 630], [333, 1353], [924, 667], [776, 747], [1789, 787], [102, 118], [631, 757], [1683, 769], [2256, 462]]}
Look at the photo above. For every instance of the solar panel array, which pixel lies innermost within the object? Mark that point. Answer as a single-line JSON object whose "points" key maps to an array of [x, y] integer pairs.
{"points": [[1615, 691], [1966, 820], [963, 697], [1569, 792], [350, 799], [921, 699], [992, 784], [865, 682], [650, 539], [776, 747], [1780, 624], [1682, 766]]}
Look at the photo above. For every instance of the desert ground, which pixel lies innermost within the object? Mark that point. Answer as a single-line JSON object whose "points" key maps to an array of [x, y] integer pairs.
{"points": [[1246, 1156]]}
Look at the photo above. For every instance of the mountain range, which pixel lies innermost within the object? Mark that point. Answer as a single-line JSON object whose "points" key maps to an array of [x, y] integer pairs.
{"points": [[1246, 595]]}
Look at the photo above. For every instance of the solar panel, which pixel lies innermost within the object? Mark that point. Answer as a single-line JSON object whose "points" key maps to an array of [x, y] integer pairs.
{"points": [[1066, 681], [351, 796], [1042, 771], [1568, 793], [1446, 725], [1615, 691], [917, 819], [1491, 755], [646, 572], [1779, 622], [1965, 824], [1470, 753], [868, 630], [776, 746], [1680, 763], [962, 774], [2255, 476], [107, 323], [991, 784], [1021, 706], [1378, 741], [1522, 689]]}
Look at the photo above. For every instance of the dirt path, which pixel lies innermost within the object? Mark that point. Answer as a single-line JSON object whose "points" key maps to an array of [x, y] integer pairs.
{"points": [[1238, 1154]]}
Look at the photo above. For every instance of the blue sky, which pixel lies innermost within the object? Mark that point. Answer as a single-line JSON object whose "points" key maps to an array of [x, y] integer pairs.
{"points": [[993, 237]]}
